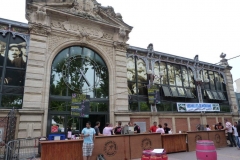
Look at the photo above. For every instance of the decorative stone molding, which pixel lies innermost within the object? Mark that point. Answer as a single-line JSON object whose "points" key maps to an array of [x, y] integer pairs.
{"points": [[39, 30], [37, 15], [121, 46], [107, 49]]}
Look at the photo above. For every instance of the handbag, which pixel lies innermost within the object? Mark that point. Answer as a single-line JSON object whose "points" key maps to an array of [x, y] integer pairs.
{"points": [[100, 157]]}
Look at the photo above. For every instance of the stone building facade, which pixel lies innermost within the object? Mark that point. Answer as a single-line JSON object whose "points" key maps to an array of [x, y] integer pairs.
{"points": [[56, 27]]}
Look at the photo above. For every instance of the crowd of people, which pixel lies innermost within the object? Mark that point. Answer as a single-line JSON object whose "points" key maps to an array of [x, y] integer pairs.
{"points": [[232, 132], [158, 128]]}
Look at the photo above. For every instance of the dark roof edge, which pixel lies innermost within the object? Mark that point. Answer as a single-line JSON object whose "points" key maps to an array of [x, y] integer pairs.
{"points": [[14, 23], [174, 56]]}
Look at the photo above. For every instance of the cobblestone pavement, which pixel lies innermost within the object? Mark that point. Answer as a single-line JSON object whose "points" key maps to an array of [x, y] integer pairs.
{"points": [[229, 153]]}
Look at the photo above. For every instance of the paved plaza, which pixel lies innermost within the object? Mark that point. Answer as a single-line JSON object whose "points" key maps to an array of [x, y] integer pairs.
{"points": [[229, 153]]}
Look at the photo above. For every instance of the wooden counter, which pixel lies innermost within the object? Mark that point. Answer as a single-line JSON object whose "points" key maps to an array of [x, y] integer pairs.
{"points": [[218, 137], [122, 147], [174, 142]]}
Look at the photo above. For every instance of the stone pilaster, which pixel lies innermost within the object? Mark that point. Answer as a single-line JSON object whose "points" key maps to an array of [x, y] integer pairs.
{"points": [[230, 90]]}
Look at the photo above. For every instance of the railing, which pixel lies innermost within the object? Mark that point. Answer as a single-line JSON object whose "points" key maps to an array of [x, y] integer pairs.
{"points": [[22, 149]]}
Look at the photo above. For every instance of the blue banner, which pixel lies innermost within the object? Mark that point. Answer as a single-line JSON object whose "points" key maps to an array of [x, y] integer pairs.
{"points": [[198, 107]]}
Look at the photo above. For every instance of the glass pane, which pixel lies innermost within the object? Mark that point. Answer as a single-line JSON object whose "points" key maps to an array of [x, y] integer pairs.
{"points": [[2, 52], [164, 79], [211, 79], [102, 88], [58, 86], [217, 80], [210, 96], [191, 78], [224, 108], [171, 76], [131, 76], [14, 77], [58, 124], [189, 93], [181, 92], [144, 106], [58, 105], [141, 71], [17, 54], [185, 76], [164, 106], [132, 88], [75, 51], [133, 106], [12, 101], [73, 124], [221, 95], [88, 53], [156, 73], [178, 75], [99, 61], [216, 95], [98, 107], [166, 91], [142, 89], [174, 91]]}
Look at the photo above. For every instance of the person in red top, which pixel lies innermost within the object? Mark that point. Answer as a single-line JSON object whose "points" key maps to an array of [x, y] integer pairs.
{"points": [[153, 128]]}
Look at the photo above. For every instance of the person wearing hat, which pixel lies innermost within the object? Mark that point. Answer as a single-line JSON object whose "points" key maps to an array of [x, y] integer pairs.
{"points": [[14, 51], [2, 52], [20, 56]]}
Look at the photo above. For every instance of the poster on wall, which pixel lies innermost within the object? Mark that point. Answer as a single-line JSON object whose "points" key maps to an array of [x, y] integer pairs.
{"points": [[80, 105], [1, 134], [153, 95], [198, 107]]}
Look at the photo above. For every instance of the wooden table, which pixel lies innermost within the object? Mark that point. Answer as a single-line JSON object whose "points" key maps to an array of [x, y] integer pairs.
{"points": [[174, 142], [218, 137]]}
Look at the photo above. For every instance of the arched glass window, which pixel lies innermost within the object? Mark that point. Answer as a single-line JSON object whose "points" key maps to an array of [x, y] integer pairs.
{"points": [[77, 70]]}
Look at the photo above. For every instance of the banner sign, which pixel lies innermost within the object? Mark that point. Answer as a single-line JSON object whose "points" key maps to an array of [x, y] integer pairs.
{"points": [[198, 107], [80, 105], [153, 95]]}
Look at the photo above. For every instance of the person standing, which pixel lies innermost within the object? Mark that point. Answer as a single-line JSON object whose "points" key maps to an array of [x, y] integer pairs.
{"points": [[236, 134], [107, 131], [136, 128], [207, 128], [88, 135], [230, 133], [118, 129], [153, 128], [160, 129], [238, 130], [97, 129], [166, 129]]}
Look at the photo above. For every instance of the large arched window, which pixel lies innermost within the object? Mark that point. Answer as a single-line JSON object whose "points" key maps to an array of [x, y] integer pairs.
{"points": [[77, 70]]}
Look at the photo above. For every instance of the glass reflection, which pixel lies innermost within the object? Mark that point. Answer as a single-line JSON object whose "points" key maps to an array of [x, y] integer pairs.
{"points": [[156, 73], [132, 88], [178, 75], [12, 101], [217, 81], [191, 78], [171, 76], [14, 77], [174, 91], [211, 80], [98, 107], [181, 92], [76, 51], [163, 69], [185, 76], [144, 106], [130, 69], [2, 52], [141, 70]]}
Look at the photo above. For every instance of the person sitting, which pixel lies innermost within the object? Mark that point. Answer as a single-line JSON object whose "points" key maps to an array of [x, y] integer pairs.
{"points": [[160, 129]]}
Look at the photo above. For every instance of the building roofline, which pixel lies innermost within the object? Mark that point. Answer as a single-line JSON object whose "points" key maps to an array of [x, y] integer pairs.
{"points": [[174, 56], [14, 23]]}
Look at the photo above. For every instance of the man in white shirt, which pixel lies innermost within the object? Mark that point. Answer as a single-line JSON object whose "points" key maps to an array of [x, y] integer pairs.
{"points": [[236, 134], [230, 133], [207, 128]]}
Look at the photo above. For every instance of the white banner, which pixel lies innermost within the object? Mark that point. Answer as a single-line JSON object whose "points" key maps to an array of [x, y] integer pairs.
{"points": [[198, 107]]}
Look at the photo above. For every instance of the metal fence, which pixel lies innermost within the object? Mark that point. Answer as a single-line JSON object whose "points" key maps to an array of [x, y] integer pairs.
{"points": [[22, 149]]}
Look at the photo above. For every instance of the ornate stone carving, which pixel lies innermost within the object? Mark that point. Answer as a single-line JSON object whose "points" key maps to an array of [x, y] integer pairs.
{"points": [[39, 30], [55, 40], [121, 46], [150, 50], [81, 30], [224, 61], [37, 15], [108, 36]]}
